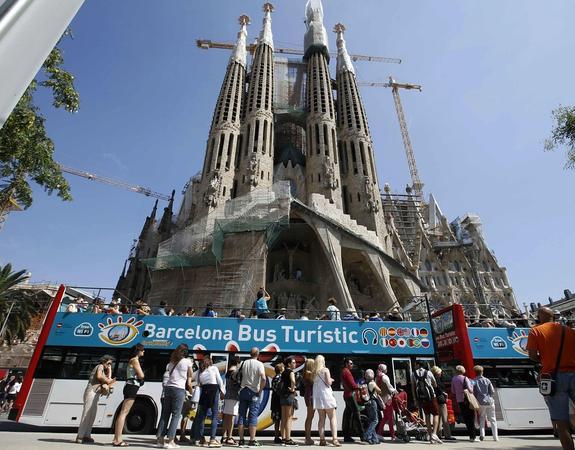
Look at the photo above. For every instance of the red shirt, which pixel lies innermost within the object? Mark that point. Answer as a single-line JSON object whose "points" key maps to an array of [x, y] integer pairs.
{"points": [[348, 382], [546, 339]]}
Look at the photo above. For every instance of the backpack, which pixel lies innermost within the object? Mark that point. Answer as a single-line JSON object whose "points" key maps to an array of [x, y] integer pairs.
{"points": [[423, 390], [238, 375], [277, 385]]}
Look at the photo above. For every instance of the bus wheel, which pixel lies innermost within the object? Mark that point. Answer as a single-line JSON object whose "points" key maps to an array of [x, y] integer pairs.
{"points": [[141, 418]]}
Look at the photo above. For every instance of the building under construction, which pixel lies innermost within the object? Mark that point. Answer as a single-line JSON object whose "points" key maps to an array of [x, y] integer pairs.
{"points": [[289, 198]]}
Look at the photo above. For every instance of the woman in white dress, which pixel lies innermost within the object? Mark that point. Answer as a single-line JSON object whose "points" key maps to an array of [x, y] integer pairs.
{"points": [[324, 401]]}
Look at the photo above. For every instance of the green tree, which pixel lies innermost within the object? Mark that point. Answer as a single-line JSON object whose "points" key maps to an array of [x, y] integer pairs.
{"points": [[16, 308], [563, 133], [26, 151]]}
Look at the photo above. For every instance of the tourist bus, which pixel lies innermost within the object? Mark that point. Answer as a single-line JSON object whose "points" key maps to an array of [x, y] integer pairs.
{"points": [[71, 344], [503, 354]]}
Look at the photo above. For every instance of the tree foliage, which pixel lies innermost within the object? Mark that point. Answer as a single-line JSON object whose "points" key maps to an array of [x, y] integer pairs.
{"points": [[15, 305], [26, 151], [563, 133]]}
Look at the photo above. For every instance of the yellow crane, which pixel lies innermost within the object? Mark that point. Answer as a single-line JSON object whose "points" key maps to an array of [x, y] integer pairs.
{"points": [[206, 44], [395, 87]]}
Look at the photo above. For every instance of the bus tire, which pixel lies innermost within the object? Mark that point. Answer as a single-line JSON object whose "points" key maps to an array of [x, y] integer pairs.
{"points": [[141, 419]]}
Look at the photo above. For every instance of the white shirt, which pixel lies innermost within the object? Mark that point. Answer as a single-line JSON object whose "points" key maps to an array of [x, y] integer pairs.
{"points": [[179, 375], [212, 376], [252, 373], [388, 391], [15, 388], [333, 312]]}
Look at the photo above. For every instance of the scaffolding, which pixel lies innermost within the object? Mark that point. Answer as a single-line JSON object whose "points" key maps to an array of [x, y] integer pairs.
{"points": [[405, 211]]}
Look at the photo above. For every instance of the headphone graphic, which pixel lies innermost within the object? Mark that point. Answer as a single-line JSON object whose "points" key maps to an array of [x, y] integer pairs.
{"points": [[365, 336]]}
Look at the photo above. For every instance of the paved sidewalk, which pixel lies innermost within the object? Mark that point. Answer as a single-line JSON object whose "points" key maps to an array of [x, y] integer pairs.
{"points": [[56, 441]]}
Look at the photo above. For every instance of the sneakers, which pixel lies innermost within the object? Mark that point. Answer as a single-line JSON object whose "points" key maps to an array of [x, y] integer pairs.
{"points": [[348, 439], [253, 444], [171, 445], [290, 443], [481, 438], [241, 443], [160, 442], [496, 439], [278, 440], [434, 439], [472, 440]]}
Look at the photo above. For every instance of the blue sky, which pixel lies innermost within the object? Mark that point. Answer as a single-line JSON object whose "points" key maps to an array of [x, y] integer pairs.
{"points": [[491, 71]]}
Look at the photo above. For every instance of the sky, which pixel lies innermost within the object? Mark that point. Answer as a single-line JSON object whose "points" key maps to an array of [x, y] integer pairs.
{"points": [[491, 70]]}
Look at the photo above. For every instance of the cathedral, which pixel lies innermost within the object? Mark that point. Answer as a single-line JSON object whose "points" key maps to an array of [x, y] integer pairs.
{"points": [[288, 198]]}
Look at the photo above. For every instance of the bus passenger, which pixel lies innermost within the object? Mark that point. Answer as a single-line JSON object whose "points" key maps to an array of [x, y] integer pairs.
{"points": [[99, 383], [212, 390], [332, 311], [324, 401], [387, 392], [276, 408], [350, 421], [134, 379], [253, 382], [261, 304], [442, 398], [177, 377], [231, 402], [209, 311], [288, 400], [483, 391], [307, 382], [459, 384]]}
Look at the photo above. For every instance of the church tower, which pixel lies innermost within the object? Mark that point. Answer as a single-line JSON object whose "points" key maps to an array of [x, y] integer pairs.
{"points": [[255, 157], [360, 189], [322, 168], [218, 171]]}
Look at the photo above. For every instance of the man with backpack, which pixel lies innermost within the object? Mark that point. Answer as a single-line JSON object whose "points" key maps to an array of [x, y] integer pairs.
{"points": [[252, 380], [424, 383]]}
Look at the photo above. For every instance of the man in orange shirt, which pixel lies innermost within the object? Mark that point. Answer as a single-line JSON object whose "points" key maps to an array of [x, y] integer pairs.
{"points": [[543, 345]]}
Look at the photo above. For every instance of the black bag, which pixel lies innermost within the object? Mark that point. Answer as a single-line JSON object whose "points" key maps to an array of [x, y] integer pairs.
{"points": [[423, 390], [237, 376], [548, 381]]}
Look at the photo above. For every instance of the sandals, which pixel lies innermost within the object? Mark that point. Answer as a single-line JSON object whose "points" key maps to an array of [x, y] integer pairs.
{"points": [[322, 443], [120, 444], [230, 441], [336, 443], [214, 444]]}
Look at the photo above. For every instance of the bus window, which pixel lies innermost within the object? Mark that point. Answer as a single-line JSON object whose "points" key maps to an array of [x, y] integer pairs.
{"points": [[50, 363], [79, 363], [401, 373], [509, 377], [429, 361]]}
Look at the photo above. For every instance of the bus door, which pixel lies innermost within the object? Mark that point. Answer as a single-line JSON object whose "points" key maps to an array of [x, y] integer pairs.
{"points": [[401, 373]]}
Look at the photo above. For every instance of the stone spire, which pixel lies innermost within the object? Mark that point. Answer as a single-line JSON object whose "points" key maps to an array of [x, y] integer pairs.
{"points": [[316, 36], [266, 36], [239, 53], [322, 168], [361, 197], [343, 59], [255, 157], [216, 184]]}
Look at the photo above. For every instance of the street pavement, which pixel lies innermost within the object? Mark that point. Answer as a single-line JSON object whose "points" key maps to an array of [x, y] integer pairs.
{"points": [[28, 440]]}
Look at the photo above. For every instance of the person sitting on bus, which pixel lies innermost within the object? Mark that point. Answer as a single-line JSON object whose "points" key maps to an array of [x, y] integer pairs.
{"points": [[161, 311], [387, 393], [423, 383], [442, 398], [332, 311], [72, 308], [261, 304], [282, 314], [395, 315], [483, 391], [304, 315], [209, 311], [141, 308], [134, 379], [190, 312], [113, 307], [99, 383], [459, 384], [212, 391], [97, 306], [237, 314], [374, 317], [501, 322]]}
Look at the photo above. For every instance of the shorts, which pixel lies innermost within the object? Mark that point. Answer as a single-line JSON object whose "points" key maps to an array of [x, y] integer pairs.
{"points": [[288, 400], [558, 404], [430, 407], [11, 397], [130, 390], [231, 407], [249, 408]]}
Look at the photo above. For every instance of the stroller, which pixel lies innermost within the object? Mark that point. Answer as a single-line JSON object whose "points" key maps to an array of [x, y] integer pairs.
{"points": [[408, 423]]}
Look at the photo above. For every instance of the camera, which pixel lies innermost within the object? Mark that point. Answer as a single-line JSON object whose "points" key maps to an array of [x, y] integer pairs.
{"points": [[546, 385]]}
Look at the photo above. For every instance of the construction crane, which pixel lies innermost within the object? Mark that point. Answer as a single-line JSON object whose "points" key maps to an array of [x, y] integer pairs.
{"points": [[395, 87], [206, 44], [113, 182]]}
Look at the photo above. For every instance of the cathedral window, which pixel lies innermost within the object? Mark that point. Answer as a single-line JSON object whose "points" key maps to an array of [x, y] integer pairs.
{"points": [[262, 175], [358, 197], [230, 147], [210, 156], [370, 156], [325, 140], [317, 138], [256, 136], [319, 177], [220, 151], [362, 154], [334, 141], [239, 151], [234, 191], [353, 157], [247, 139], [224, 192], [265, 136]]}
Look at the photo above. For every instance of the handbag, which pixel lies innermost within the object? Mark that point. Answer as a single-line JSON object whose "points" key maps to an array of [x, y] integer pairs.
{"points": [[471, 400], [548, 381]]}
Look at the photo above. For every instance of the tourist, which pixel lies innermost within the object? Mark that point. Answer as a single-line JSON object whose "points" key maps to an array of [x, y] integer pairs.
{"points": [[288, 400], [424, 385], [442, 398], [177, 378], [71, 308], [395, 315], [209, 311], [324, 401], [352, 315], [190, 312], [387, 391], [374, 317], [196, 392], [161, 311], [99, 383], [97, 306], [307, 381], [552, 346], [350, 420], [8, 378], [332, 311], [212, 390], [282, 314], [276, 408], [237, 314], [12, 389], [304, 315], [261, 304], [483, 391], [253, 381], [231, 402], [371, 409], [134, 379], [142, 308], [113, 307], [459, 384]]}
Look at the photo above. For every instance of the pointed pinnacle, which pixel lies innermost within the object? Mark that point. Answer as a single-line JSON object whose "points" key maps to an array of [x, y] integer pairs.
{"points": [[268, 7], [244, 20], [339, 28]]}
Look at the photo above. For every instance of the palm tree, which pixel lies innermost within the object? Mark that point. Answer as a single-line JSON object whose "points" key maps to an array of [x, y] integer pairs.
{"points": [[16, 308]]}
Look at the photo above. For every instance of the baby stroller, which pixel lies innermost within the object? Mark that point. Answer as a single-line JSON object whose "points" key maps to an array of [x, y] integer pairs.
{"points": [[408, 424]]}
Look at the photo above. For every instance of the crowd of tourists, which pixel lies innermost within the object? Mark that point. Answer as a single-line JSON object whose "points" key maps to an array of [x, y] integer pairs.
{"points": [[9, 388], [371, 401]]}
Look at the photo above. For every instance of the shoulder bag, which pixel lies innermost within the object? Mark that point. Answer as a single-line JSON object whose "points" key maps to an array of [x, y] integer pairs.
{"points": [[548, 381], [471, 399]]}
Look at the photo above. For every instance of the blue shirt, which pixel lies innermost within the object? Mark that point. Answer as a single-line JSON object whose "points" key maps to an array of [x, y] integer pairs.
{"points": [[261, 306]]}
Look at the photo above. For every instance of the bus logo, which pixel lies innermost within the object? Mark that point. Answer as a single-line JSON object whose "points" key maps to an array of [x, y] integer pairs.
{"points": [[519, 341], [84, 330], [119, 332]]}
